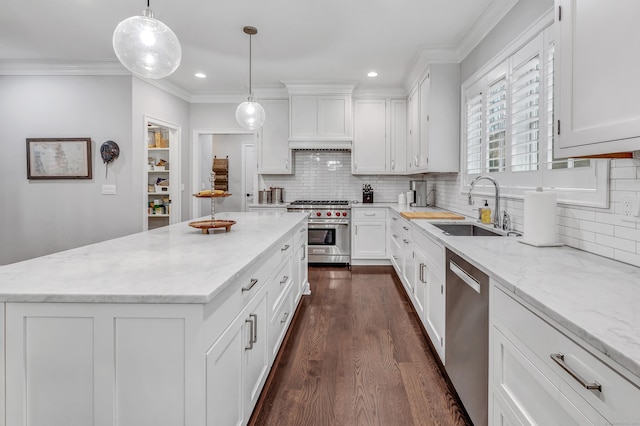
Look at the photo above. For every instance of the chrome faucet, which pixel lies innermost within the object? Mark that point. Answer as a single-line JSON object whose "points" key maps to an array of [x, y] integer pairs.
{"points": [[496, 215]]}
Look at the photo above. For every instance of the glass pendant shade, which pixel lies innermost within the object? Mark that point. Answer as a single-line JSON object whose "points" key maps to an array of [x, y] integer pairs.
{"points": [[146, 46], [250, 115]]}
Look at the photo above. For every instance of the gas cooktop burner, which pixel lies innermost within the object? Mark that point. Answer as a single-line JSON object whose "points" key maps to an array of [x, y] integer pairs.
{"points": [[320, 203]]}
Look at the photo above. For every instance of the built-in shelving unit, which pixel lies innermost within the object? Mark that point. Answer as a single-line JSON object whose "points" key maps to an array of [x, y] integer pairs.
{"points": [[162, 178]]}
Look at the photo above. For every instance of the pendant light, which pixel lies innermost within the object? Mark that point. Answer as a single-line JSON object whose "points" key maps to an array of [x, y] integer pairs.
{"points": [[146, 46], [250, 114]]}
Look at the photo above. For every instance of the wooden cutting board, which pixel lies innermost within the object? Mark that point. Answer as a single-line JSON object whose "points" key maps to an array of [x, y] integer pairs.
{"points": [[432, 215]]}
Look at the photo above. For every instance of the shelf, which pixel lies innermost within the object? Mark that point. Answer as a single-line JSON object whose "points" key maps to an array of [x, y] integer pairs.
{"points": [[158, 215], [213, 195], [158, 149], [158, 171], [158, 193]]}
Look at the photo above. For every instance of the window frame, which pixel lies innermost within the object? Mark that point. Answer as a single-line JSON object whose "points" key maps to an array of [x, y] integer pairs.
{"points": [[584, 186]]}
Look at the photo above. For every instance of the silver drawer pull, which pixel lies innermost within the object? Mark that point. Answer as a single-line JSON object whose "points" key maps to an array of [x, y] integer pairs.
{"points": [[369, 214], [284, 319], [253, 282], [405, 228], [559, 359], [285, 248], [394, 218], [464, 276], [284, 279], [303, 229]]}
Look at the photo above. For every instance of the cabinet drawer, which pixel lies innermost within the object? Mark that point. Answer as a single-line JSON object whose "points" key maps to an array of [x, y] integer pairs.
{"points": [[433, 250], [279, 285], [300, 236], [361, 213], [618, 398], [285, 249], [224, 308], [279, 323]]}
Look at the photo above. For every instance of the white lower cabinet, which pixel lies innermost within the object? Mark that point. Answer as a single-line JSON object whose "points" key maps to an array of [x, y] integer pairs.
{"points": [[71, 364], [369, 233], [536, 389]]}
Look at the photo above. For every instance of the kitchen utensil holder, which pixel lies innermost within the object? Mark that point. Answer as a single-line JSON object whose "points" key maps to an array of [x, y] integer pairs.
{"points": [[367, 197]]}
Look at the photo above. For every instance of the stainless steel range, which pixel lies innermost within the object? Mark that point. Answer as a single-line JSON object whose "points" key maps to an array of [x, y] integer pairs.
{"points": [[329, 239]]}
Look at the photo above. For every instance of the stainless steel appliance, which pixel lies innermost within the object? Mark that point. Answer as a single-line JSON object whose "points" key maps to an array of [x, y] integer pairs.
{"points": [[419, 189], [329, 234], [467, 335]]}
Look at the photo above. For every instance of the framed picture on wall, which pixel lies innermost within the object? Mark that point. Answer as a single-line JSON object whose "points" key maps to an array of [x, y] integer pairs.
{"points": [[59, 158]]}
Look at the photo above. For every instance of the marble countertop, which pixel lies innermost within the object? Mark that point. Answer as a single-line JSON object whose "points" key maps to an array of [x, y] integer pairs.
{"points": [[173, 264], [596, 298]]}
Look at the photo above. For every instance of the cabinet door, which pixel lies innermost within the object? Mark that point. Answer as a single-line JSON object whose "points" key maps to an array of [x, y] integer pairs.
{"points": [[274, 155], [413, 143], [423, 144], [334, 116], [304, 116], [255, 357], [596, 77], [398, 136], [302, 275], [420, 290], [435, 305], [370, 143], [370, 239]]}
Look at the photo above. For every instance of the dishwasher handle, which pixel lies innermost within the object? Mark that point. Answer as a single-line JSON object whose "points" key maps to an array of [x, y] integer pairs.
{"points": [[464, 276]]}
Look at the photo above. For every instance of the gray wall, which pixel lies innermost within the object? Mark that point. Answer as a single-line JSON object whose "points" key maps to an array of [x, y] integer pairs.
{"points": [[519, 18], [42, 217]]}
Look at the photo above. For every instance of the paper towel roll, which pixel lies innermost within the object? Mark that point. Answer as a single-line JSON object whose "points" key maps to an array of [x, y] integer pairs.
{"points": [[540, 228], [402, 198]]}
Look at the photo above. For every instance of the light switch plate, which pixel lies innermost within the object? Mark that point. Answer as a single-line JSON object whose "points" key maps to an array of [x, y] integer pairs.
{"points": [[108, 189]]}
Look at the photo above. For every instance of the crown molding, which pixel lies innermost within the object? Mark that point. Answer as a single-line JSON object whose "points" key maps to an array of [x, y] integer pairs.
{"points": [[488, 19], [426, 56], [319, 87], [380, 93], [58, 67], [168, 87]]}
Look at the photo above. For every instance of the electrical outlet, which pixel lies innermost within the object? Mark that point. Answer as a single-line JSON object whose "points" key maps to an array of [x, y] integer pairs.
{"points": [[626, 208]]}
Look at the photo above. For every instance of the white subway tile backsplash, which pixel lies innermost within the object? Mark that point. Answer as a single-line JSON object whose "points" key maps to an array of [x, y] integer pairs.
{"points": [[616, 243]]}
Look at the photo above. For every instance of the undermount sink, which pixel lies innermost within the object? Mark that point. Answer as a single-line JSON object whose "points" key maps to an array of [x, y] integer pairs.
{"points": [[466, 230]]}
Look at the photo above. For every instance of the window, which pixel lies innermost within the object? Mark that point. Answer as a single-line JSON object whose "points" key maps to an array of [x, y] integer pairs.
{"points": [[508, 130]]}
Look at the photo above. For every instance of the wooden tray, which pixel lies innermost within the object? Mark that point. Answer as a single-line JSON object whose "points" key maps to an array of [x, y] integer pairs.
{"points": [[212, 195], [205, 225], [432, 215]]}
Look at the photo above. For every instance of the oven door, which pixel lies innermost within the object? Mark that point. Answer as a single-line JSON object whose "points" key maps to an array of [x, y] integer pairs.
{"points": [[329, 242]]}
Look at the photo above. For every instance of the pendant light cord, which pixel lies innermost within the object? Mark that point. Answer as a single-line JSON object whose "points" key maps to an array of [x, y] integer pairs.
{"points": [[250, 37]]}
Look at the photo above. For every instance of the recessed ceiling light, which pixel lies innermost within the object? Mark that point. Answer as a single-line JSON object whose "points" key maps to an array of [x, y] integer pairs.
{"points": [[372, 74], [200, 75]]}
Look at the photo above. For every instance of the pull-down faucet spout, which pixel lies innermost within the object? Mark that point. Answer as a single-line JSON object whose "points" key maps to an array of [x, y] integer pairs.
{"points": [[496, 215]]}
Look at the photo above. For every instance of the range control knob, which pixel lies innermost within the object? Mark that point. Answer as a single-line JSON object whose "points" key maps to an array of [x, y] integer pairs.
{"points": [[337, 213], [318, 214], [344, 214], [328, 213]]}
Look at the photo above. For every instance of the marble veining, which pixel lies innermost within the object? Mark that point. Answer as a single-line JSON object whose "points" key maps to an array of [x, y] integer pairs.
{"points": [[173, 264]]}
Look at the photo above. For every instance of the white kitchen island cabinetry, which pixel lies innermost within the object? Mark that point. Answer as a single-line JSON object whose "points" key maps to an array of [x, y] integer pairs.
{"points": [[274, 155], [369, 235], [105, 341], [542, 374], [596, 77]]}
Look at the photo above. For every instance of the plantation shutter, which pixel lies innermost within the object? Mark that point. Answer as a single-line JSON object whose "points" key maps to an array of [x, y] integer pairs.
{"points": [[474, 133], [496, 123], [525, 113]]}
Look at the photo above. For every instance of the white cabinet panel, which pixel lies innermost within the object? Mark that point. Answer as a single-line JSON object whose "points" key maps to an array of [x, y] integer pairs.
{"points": [[274, 155], [597, 90], [398, 136], [317, 117], [370, 142], [149, 371], [370, 239]]}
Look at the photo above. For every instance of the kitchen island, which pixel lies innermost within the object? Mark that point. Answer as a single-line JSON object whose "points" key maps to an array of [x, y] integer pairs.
{"points": [[165, 327]]}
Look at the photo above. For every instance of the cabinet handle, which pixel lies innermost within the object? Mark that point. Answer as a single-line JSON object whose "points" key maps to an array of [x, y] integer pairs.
{"points": [[559, 359], [369, 214], [285, 248], [251, 333], [304, 252], [405, 228], [284, 279], [284, 319], [355, 165], [406, 241], [253, 282], [464, 276], [393, 164], [395, 257], [303, 229], [421, 273], [286, 164], [394, 218], [255, 327], [395, 236]]}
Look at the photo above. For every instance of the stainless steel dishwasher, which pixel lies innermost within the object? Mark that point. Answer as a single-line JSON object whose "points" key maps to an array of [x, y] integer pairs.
{"points": [[467, 335]]}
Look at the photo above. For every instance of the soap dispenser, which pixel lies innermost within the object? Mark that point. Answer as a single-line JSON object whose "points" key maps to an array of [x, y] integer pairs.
{"points": [[485, 213]]}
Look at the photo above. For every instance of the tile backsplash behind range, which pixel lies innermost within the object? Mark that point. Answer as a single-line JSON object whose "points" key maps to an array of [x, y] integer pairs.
{"points": [[326, 175]]}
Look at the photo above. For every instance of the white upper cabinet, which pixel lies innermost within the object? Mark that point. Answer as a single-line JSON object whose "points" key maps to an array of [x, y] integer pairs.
{"points": [[413, 127], [398, 136], [370, 141], [274, 155], [597, 86], [320, 117]]}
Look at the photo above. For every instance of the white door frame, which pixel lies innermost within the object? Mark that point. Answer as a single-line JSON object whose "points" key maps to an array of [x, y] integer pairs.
{"points": [[246, 145], [175, 173], [196, 153]]}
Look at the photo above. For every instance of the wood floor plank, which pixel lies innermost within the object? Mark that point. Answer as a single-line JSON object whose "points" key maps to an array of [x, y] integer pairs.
{"points": [[356, 355]]}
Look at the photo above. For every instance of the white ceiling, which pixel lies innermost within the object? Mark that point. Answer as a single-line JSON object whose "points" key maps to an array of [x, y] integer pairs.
{"points": [[297, 40]]}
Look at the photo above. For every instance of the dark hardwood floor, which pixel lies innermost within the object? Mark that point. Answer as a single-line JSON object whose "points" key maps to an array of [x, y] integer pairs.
{"points": [[356, 355]]}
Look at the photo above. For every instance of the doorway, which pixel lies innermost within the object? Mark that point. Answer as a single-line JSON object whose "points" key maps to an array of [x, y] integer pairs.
{"points": [[239, 149]]}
